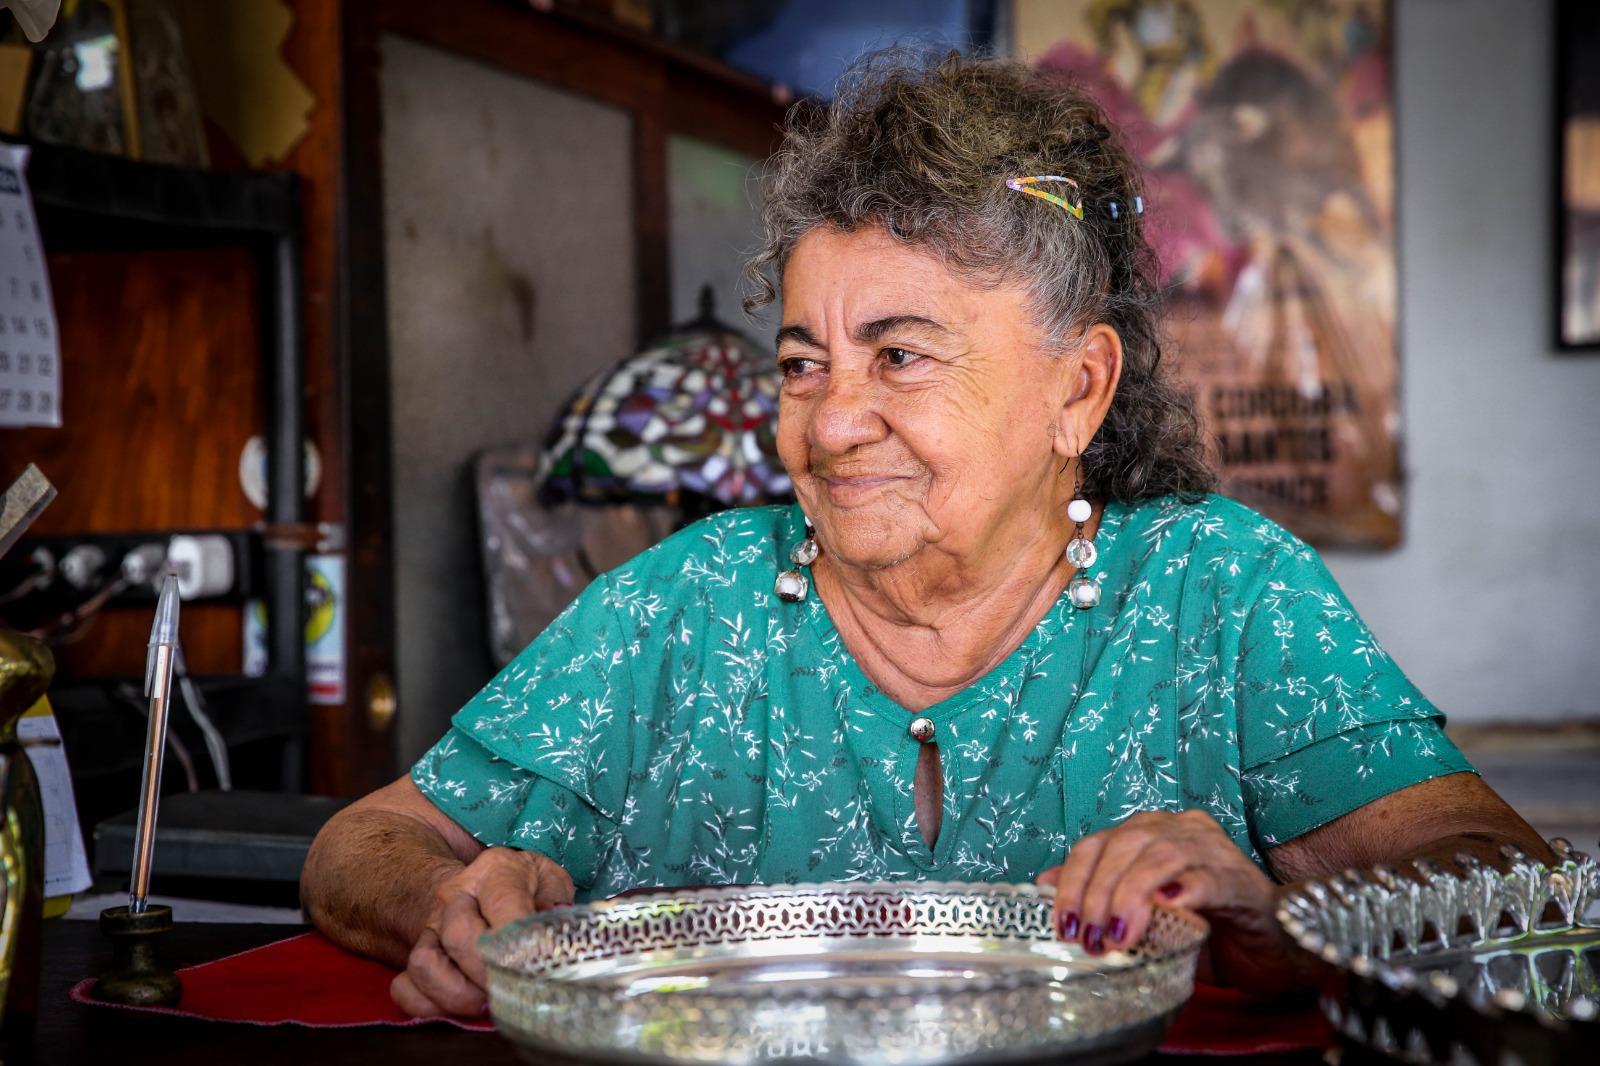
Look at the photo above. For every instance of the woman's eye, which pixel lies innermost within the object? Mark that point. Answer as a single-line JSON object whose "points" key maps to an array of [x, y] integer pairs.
{"points": [[899, 357], [794, 366]]}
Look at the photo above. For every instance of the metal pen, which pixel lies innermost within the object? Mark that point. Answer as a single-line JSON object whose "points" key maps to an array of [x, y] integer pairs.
{"points": [[158, 689]]}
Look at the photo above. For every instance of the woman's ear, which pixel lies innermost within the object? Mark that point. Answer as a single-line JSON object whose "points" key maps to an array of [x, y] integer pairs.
{"points": [[1097, 369]]}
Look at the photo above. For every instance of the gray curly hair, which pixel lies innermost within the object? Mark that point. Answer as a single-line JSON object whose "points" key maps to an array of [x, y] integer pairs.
{"points": [[922, 147]]}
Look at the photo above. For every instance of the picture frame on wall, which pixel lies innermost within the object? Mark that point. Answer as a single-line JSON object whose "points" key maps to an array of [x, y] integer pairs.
{"points": [[1577, 176], [1266, 132]]}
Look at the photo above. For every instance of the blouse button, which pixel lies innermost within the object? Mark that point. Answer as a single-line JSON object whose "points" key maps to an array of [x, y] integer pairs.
{"points": [[922, 730]]}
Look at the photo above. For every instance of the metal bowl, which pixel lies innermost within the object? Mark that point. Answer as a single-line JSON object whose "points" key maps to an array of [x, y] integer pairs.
{"points": [[911, 973], [1483, 967]]}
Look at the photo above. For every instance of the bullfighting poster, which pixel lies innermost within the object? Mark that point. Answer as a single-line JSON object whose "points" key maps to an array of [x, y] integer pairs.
{"points": [[1267, 130]]}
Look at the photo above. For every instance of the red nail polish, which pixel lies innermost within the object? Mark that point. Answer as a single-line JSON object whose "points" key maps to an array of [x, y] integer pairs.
{"points": [[1117, 929], [1093, 941], [1170, 889], [1069, 925]]}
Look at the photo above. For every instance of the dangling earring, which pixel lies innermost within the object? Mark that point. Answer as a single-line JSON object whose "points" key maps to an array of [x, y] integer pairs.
{"points": [[1082, 590], [792, 584]]}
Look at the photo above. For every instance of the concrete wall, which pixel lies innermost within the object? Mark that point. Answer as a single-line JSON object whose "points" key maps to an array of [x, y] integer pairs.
{"points": [[712, 228], [1492, 604], [510, 271]]}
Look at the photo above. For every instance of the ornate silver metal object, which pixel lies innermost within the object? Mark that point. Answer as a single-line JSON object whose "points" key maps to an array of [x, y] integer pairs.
{"points": [[1483, 968], [907, 973]]}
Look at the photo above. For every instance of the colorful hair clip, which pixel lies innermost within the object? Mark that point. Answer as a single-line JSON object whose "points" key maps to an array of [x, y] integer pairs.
{"points": [[1026, 185], [1116, 209]]}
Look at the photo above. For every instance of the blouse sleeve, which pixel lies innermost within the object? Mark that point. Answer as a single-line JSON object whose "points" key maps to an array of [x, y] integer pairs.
{"points": [[539, 759], [1327, 721]]}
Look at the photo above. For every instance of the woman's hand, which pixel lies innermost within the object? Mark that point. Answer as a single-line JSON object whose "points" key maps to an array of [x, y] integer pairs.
{"points": [[444, 973], [1107, 888]]}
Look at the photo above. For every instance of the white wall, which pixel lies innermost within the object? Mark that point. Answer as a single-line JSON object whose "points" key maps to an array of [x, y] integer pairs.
{"points": [[1492, 604]]}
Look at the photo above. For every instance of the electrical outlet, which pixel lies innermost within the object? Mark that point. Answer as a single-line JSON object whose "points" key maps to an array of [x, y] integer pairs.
{"points": [[214, 565]]}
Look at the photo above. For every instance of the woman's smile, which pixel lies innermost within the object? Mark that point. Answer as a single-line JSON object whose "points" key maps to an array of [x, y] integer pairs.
{"points": [[855, 489]]}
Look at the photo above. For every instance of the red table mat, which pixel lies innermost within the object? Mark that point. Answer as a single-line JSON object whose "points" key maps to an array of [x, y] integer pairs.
{"points": [[306, 980]]}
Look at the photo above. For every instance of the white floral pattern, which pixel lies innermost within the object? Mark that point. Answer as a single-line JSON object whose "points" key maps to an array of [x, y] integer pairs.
{"points": [[678, 724]]}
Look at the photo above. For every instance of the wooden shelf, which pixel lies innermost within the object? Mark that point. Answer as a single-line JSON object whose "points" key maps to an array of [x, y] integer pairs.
{"points": [[102, 214], [87, 201]]}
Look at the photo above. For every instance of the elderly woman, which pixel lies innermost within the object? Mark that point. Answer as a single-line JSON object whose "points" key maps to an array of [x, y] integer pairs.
{"points": [[1007, 633]]}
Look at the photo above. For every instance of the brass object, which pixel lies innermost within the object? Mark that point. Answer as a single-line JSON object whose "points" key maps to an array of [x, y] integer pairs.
{"points": [[26, 667], [381, 703], [137, 977]]}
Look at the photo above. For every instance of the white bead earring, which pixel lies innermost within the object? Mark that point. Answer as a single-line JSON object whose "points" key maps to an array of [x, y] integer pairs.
{"points": [[792, 584], [1083, 590]]}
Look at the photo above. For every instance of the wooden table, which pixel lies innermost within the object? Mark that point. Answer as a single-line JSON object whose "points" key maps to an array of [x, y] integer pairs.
{"points": [[70, 1033]]}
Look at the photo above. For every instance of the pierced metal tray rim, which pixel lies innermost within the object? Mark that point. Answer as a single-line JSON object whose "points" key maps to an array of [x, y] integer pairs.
{"points": [[507, 935]]}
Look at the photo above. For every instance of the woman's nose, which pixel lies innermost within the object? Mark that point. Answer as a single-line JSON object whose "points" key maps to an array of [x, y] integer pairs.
{"points": [[847, 416]]}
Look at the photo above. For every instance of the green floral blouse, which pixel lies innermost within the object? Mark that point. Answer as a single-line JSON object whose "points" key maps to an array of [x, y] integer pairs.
{"points": [[679, 724]]}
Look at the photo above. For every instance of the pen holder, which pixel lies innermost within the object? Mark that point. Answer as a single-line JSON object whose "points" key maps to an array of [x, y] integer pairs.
{"points": [[137, 977]]}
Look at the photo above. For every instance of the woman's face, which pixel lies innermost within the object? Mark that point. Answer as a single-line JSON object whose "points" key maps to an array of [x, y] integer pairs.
{"points": [[920, 411]]}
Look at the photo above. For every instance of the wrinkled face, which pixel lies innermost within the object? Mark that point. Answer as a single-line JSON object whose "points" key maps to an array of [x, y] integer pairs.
{"points": [[919, 411]]}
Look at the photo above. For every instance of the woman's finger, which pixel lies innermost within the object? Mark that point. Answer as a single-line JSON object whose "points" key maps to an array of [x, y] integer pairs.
{"points": [[403, 990], [1155, 876], [1124, 847], [506, 893], [1238, 888], [1048, 877], [440, 980], [460, 925], [555, 887], [1071, 876]]}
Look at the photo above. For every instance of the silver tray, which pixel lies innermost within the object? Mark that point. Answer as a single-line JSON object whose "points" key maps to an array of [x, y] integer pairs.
{"points": [[1479, 968], [906, 973]]}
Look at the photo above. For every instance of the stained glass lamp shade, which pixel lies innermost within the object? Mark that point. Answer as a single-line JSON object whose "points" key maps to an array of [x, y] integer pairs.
{"points": [[694, 416]]}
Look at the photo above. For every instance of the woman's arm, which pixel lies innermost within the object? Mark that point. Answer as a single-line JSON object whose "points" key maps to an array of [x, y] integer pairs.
{"points": [[1436, 819], [392, 877], [369, 877]]}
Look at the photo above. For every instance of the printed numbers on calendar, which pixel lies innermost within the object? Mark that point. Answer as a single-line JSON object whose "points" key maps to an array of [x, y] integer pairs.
{"points": [[5, 399], [5, 362], [25, 401], [19, 325], [46, 401], [41, 327], [44, 365], [24, 363]]}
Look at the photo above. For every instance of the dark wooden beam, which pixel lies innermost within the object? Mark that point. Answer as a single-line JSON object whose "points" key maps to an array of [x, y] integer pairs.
{"points": [[687, 92], [650, 207]]}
